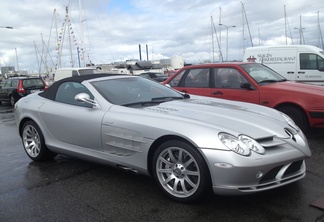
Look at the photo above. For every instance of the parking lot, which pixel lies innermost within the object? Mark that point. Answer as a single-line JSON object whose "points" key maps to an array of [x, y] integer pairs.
{"points": [[68, 189]]}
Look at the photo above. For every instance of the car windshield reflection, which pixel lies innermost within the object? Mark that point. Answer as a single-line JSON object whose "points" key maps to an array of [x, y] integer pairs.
{"points": [[135, 91], [262, 74]]}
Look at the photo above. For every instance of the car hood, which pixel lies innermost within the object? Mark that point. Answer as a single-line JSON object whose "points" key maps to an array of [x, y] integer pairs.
{"points": [[225, 115], [296, 87]]}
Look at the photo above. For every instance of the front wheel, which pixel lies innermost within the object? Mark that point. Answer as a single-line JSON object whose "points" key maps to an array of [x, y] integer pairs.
{"points": [[181, 171], [33, 142], [297, 115]]}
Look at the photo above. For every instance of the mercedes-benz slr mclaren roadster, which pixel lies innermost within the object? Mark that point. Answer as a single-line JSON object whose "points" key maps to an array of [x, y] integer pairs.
{"points": [[189, 144]]}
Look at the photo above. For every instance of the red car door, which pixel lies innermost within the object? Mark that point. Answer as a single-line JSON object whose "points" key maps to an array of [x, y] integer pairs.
{"points": [[229, 83], [194, 81], [224, 82]]}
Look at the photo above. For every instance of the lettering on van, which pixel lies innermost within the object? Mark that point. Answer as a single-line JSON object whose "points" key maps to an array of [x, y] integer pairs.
{"points": [[267, 58], [313, 76]]}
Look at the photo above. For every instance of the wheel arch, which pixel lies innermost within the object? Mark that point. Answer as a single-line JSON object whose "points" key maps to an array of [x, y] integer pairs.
{"points": [[22, 122], [9, 95], [163, 139], [44, 153], [296, 106]]}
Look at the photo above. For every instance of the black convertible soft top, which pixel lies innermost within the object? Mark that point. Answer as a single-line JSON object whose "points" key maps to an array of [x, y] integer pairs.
{"points": [[50, 93]]}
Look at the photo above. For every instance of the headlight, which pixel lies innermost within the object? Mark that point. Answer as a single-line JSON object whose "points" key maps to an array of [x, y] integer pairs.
{"points": [[290, 121], [252, 144], [242, 145]]}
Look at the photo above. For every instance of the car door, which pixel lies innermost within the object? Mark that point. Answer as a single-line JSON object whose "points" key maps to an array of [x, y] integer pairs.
{"points": [[230, 83], [193, 81], [71, 122], [310, 67], [224, 82]]}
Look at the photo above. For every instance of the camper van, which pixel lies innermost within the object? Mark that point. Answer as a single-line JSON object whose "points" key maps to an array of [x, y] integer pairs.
{"points": [[69, 72], [302, 63]]}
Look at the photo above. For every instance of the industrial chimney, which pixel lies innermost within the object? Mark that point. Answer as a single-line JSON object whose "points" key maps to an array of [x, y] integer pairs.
{"points": [[140, 51]]}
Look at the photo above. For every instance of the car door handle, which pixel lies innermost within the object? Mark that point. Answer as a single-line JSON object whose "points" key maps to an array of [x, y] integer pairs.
{"points": [[290, 72], [301, 72], [218, 93]]}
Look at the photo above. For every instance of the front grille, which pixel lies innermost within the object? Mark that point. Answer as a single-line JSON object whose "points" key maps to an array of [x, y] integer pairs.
{"points": [[282, 174], [268, 177], [293, 168]]}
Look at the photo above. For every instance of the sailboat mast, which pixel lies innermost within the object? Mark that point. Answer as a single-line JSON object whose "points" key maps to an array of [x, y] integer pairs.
{"points": [[17, 60], [285, 24], [244, 19], [38, 64], [220, 50], [69, 38], [82, 36], [243, 37], [320, 37], [212, 34], [220, 30], [60, 41]]}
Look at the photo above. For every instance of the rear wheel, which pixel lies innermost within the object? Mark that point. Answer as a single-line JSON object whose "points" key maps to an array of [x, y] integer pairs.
{"points": [[297, 115], [12, 100], [33, 142], [181, 171]]}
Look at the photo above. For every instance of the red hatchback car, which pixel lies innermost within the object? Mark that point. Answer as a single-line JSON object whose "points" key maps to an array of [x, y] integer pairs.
{"points": [[254, 83]]}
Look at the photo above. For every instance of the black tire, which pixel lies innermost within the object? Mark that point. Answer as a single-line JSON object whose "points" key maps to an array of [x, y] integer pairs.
{"points": [[34, 143], [12, 100], [181, 172], [297, 115]]}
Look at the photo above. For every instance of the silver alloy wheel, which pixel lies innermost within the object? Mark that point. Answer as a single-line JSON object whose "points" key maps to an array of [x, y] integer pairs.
{"points": [[178, 172], [31, 141]]}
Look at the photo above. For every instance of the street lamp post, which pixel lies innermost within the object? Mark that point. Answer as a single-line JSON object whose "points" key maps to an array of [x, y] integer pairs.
{"points": [[6, 27], [227, 38]]}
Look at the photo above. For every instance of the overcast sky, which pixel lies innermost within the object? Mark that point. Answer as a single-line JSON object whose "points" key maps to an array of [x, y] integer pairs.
{"points": [[111, 30]]}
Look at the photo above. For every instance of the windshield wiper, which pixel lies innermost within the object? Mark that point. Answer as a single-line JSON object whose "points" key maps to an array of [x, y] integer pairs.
{"points": [[153, 101], [268, 81], [143, 103], [165, 99]]}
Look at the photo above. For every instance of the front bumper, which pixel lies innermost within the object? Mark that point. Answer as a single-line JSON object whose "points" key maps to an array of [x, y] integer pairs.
{"points": [[233, 174]]}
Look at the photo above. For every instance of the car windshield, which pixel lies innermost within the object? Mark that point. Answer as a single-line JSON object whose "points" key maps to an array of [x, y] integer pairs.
{"points": [[135, 91], [262, 74]]}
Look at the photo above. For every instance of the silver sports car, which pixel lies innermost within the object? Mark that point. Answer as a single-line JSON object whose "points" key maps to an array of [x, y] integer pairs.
{"points": [[189, 144]]}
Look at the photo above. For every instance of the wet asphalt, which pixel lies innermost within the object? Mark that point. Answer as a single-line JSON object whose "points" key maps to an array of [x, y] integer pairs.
{"points": [[67, 189]]}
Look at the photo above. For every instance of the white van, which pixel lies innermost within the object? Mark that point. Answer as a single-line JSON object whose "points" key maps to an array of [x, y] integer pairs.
{"points": [[302, 63], [69, 72]]}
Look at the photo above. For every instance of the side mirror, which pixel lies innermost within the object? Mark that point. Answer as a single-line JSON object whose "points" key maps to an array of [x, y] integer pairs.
{"points": [[247, 86], [84, 97]]}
